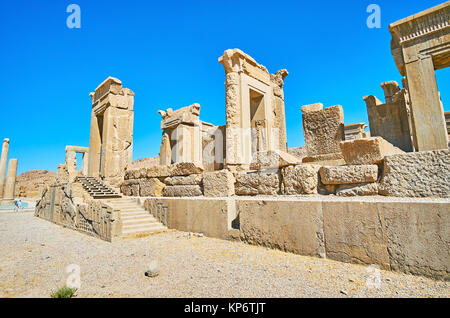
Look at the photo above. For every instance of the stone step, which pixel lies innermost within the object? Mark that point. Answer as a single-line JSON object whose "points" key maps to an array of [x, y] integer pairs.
{"points": [[146, 227], [126, 223], [144, 232], [133, 213], [144, 218]]}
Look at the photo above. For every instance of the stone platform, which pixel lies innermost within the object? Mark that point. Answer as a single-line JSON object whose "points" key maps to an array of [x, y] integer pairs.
{"points": [[410, 235]]}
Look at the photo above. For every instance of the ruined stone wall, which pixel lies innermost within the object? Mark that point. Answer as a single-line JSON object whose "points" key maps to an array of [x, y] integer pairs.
{"points": [[61, 204], [374, 167], [406, 235]]}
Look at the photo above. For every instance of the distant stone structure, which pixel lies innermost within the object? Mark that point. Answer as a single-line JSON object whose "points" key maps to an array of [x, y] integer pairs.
{"points": [[3, 162], [355, 131], [10, 184], [111, 136], [420, 46], [390, 120]]}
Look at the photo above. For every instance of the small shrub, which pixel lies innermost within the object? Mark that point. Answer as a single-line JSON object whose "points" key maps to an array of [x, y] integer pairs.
{"points": [[63, 292]]}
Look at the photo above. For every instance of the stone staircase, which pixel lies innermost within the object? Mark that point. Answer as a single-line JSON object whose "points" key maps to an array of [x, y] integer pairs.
{"points": [[97, 189], [136, 221]]}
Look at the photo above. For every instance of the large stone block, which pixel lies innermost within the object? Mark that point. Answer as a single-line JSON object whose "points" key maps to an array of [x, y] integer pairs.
{"points": [[331, 159], [355, 233], [257, 183], [301, 179], [130, 188], [151, 187], [323, 130], [349, 174], [185, 169], [218, 183], [366, 189], [193, 179], [212, 217], [182, 191], [273, 159], [418, 237], [285, 225], [367, 150], [417, 174]]}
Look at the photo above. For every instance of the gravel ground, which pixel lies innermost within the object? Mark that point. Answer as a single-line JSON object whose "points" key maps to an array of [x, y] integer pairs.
{"points": [[34, 254]]}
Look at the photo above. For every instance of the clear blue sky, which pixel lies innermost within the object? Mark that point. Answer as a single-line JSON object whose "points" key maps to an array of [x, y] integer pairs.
{"points": [[167, 51]]}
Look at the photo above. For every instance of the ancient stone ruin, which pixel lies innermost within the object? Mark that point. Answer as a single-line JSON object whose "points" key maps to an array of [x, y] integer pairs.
{"points": [[241, 182], [8, 185]]}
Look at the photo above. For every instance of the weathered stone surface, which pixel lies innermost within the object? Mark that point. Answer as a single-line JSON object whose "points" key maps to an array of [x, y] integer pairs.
{"points": [[355, 233], [10, 183], [177, 169], [366, 189], [367, 150], [155, 172], [285, 225], [331, 159], [185, 169], [218, 184], [210, 216], [273, 159], [130, 188], [150, 187], [418, 237], [111, 135], [3, 162], [349, 174], [417, 174], [301, 179], [323, 130], [192, 179], [257, 183], [390, 121], [182, 191], [311, 107]]}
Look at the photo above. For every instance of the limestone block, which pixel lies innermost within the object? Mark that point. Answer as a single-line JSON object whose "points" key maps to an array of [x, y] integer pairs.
{"points": [[185, 169], [366, 189], [355, 233], [151, 187], [301, 179], [418, 237], [182, 191], [417, 174], [158, 171], [184, 180], [367, 151], [273, 159], [349, 174], [130, 188], [323, 130], [331, 159], [218, 183], [257, 183], [212, 216], [285, 225], [312, 108]]}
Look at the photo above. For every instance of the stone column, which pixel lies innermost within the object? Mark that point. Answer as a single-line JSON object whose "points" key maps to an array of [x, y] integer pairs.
{"points": [[427, 114], [165, 152], [10, 184], [85, 166], [3, 162]]}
